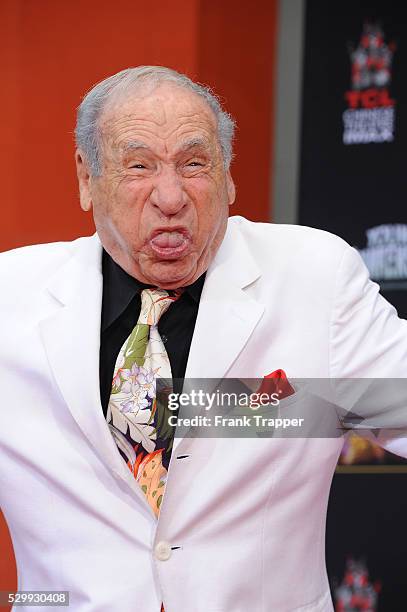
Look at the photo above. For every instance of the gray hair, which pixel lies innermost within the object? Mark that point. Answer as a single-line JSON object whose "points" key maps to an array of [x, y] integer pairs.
{"points": [[87, 132]]}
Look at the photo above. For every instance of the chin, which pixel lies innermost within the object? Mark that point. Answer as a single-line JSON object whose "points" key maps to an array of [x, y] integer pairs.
{"points": [[171, 274]]}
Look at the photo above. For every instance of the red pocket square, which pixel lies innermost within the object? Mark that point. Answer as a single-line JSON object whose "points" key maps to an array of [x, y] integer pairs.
{"points": [[276, 382]]}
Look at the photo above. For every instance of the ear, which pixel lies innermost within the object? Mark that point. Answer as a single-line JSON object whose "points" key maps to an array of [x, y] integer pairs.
{"points": [[84, 179], [231, 189]]}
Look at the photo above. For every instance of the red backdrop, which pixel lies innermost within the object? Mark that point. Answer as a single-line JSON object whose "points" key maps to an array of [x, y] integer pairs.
{"points": [[53, 51]]}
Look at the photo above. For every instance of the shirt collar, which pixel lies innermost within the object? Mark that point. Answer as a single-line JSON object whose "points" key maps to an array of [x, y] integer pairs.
{"points": [[119, 289]]}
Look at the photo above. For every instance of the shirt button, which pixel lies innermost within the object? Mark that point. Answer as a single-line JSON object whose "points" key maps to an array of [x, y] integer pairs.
{"points": [[162, 551]]}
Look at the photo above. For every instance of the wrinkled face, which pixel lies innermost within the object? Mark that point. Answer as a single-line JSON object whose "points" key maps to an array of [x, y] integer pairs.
{"points": [[161, 202]]}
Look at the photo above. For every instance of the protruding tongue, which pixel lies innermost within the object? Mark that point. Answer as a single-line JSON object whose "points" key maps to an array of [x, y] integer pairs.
{"points": [[168, 239]]}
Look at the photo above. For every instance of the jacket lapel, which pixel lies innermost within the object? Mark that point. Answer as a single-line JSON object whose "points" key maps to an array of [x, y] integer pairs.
{"points": [[227, 314], [71, 336]]}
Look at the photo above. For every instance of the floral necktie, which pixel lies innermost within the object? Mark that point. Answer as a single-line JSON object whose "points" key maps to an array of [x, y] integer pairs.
{"points": [[137, 421]]}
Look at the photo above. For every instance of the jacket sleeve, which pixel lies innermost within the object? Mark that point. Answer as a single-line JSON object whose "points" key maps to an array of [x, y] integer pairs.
{"points": [[368, 357]]}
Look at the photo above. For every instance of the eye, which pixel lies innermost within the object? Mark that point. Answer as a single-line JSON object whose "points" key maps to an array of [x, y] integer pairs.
{"points": [[194, 164], [138, 166]]}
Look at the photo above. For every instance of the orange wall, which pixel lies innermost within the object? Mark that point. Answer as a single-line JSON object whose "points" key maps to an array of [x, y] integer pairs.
{"points": [[53, 51], [236, 57]]}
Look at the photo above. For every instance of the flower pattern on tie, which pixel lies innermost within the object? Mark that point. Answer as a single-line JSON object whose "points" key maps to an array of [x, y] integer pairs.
{"points": [[137, 419]]}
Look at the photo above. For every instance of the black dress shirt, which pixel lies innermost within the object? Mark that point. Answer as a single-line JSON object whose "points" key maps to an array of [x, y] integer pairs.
{"points": [[121, 305]]}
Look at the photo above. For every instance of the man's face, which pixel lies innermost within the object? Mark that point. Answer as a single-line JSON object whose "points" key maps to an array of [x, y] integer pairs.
{"points": [[161, 203]]}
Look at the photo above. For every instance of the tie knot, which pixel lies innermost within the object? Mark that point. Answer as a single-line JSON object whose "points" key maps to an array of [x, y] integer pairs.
{"points": [[154, 302]]}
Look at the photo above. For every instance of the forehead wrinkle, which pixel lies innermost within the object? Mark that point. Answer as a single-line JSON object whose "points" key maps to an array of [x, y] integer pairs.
{"points": [[132, 129], [138, 130], [191, 132], [160, 104], [117, 128], [129, 141], [144, 117], [128, 111]]}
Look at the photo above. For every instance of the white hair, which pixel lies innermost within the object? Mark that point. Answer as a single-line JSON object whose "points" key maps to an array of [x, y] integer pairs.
{"points": [[87, 131]]}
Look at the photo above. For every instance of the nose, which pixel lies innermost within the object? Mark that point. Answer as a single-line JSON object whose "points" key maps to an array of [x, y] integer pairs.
{"points": [[168, 194]]}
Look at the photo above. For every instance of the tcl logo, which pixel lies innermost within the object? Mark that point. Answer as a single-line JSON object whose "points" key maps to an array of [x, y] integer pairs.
{"points": [[369, 98]]}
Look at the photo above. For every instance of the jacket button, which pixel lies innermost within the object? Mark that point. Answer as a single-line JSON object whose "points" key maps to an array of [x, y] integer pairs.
{"points": [[162, 551]]}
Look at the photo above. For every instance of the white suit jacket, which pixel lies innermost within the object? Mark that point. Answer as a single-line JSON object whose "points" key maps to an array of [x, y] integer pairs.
{"points": [[242, 524]]}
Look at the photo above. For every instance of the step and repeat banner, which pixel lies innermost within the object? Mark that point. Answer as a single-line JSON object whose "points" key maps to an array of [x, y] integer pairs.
{"points": [[353, 182]]}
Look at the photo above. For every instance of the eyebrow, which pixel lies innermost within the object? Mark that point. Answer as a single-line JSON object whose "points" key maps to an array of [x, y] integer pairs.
{"points": [[191, 143], [131, 145], [186, 145]]}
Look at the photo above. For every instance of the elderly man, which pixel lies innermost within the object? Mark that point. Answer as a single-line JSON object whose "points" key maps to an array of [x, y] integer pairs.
{"points": [[101, 499]]}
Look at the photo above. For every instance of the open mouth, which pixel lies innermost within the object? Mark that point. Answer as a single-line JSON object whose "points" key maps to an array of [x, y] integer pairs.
{"points": [[170, 243]]}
